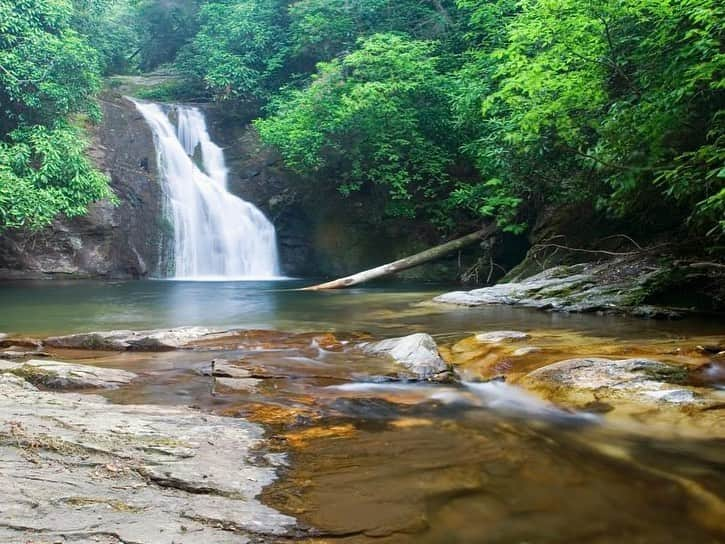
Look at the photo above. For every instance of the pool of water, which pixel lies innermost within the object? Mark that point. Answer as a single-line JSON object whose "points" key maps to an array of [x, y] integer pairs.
{"points": [[45, 308]]}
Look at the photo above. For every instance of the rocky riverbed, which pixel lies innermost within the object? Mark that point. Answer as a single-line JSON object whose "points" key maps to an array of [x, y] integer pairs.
{"points": [[181, 435]]}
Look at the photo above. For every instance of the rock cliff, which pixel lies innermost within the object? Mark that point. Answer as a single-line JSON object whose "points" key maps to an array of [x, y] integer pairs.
{"points": [[123, 241]]}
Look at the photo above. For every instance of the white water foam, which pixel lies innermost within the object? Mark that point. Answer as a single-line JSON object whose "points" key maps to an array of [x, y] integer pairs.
{"points": [[497, 396], [217, 236]]}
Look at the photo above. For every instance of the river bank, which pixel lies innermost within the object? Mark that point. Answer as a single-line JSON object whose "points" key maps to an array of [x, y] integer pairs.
{"points": [[348, 428]]}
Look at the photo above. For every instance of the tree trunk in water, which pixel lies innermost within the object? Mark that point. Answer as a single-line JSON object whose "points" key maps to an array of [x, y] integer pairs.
{"points": [[406, 263]]}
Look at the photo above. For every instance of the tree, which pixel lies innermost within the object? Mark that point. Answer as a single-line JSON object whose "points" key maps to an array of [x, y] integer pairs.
{"points": [[48, 73], [44, 172], [377, 120], [110, 28], [164, 27], [323, 29], [614, 101], [239, 48]]}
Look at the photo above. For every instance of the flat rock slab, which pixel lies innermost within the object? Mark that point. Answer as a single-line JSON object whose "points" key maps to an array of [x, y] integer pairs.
{"points": [[124, 340], [237, 384], [17, 355], [634, 379], [74, 468], [499, 337], [579, 288], [416, 352], [59, 375]]}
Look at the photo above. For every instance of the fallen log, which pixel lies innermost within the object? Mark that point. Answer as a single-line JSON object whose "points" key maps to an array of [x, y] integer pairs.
{"points": [[405, 263]]}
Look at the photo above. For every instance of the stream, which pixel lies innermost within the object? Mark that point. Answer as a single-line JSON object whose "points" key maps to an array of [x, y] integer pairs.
{"points": [[375, 457]]}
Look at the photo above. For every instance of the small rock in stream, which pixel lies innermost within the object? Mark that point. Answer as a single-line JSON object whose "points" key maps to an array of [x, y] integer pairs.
{"points": [[417, 352], [221, 368], [497, 337], [15, 355], [19, 342]]}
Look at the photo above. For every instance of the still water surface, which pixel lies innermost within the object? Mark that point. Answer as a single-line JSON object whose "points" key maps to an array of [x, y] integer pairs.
{"points": [[57, 307]]}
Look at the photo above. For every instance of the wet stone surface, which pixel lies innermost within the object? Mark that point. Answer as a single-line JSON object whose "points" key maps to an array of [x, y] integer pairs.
{"points": [[61, 375], [75, 468], [364, 450], [581, 288], [416, 352]]}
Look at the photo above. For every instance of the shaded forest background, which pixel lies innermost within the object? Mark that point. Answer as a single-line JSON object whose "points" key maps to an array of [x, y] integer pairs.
{"points": [[449, 112]]}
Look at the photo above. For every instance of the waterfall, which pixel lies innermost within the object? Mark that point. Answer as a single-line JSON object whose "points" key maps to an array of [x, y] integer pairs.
{"points": [[216, 234]]}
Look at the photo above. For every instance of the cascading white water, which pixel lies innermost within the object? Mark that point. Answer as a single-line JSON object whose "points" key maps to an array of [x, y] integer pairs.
{"points": [[216, 234]]}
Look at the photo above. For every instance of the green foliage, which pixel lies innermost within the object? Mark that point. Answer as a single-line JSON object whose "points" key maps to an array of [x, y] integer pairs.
{"points": [[163, 28], [616, 101], [490, 199], [322, 29], [110, 28], [44, 172], [376, 119], [238, 49], [448, 110], [48, 72]]}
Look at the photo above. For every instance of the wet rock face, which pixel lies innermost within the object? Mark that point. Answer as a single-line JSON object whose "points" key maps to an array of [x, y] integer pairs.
{"points": [[124, 241], [74, 469], [581, 288], [123, 340], [416, 352], [60, 375], [642, 379]]}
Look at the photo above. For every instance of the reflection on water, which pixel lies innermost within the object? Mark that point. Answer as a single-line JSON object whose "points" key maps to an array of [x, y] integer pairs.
{"points": [[392, 308]]}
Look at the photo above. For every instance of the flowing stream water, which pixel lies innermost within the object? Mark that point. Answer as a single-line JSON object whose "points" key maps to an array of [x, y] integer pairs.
{"points": [[216, 234], [373, 459]]}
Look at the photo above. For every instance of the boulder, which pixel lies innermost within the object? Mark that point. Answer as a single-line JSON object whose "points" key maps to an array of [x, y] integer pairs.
{"points": [[416, 352], [544, 290], [610, 287], [125, 473], [59, 375]]}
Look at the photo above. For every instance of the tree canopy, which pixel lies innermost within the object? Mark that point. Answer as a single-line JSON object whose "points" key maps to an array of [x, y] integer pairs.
{"points": [[48, 76], [447, 111]]}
